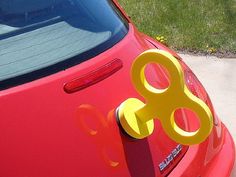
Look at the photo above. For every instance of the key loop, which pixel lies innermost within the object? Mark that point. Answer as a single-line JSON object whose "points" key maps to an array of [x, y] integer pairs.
{"points": [[164, 59], [184, 137], [137, 118]]}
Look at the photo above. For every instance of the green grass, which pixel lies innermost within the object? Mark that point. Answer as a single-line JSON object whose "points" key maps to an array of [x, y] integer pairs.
{"points": [[193, 25]]}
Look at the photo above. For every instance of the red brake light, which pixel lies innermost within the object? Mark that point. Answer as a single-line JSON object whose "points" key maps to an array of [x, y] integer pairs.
{"points": [[93, 77], [197, 89]]}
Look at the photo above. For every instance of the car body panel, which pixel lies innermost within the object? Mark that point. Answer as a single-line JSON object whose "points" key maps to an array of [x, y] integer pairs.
{"points": [[46, 132], [214, 160]]}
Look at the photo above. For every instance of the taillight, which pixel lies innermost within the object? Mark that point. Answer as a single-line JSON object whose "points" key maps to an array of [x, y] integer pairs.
{"points": [[197, 89], [93, 77]]}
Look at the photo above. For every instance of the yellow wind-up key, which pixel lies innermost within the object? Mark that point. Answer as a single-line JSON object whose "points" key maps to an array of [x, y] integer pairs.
{"points": [[137, 118]]}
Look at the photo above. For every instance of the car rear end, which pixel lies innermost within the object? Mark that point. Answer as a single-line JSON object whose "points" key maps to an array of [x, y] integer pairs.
{"points": [[58, 110]]}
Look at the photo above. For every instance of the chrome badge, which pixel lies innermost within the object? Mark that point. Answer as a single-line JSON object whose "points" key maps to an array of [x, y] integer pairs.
{"points": [[170, 158]]}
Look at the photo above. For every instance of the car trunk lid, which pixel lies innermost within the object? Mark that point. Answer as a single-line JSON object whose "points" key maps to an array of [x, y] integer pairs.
{"points": [[44, 131]]}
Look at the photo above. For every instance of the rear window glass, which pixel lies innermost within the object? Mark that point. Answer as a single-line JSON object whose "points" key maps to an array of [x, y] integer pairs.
{"points": [[41, 37]]}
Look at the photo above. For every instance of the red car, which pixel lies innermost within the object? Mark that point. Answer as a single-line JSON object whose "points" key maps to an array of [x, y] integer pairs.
{"points": [[64, 70]]}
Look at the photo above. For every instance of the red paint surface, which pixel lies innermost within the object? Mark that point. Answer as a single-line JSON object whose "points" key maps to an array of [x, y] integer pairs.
{"points": [[45, 132]]}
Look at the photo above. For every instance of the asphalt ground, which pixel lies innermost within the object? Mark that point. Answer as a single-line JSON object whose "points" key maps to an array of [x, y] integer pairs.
{"points": [[218, 75]]}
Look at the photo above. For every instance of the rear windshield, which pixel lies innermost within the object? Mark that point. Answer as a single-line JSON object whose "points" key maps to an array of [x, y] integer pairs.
{"points": [[41, 37]]}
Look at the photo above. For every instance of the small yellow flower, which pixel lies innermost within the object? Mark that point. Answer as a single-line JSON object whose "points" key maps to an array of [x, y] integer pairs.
{"points": [[161, 39], [212, 50]]}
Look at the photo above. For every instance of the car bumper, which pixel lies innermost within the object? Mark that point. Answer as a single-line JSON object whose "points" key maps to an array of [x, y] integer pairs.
{"points": [[219, 166]]}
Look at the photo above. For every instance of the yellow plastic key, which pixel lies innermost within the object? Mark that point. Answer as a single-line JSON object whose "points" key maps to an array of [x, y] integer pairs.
{"points": [[137, 118]]}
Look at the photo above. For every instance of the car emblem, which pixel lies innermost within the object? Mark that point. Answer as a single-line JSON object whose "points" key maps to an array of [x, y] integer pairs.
{"points": [[170, 158]]}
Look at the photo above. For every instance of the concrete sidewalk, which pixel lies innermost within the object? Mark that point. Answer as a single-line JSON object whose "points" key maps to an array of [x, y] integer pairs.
{"points": [[219, 78]]}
